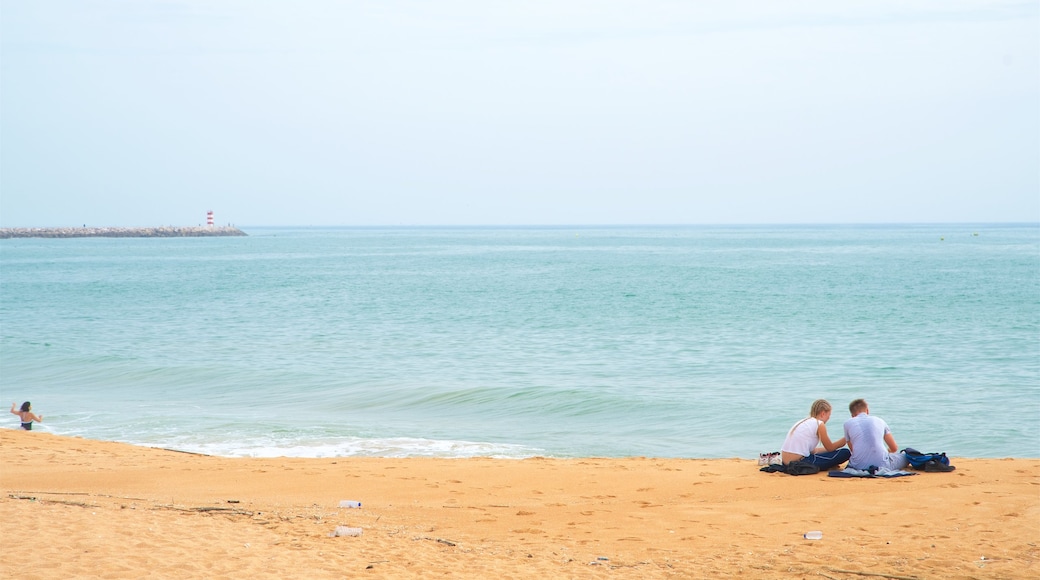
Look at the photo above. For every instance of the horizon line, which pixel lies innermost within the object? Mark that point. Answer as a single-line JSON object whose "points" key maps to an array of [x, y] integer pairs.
{"points": [[556, 225]]}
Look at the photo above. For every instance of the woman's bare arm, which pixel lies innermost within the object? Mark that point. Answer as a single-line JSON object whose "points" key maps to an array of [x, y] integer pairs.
{"points": [[825, 439]]}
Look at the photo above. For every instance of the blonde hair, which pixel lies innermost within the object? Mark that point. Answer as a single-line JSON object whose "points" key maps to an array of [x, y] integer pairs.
{"points": [[819, 406]]}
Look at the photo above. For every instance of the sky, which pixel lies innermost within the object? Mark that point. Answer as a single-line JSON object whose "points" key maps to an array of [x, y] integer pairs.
{"points": [[488, 112]]}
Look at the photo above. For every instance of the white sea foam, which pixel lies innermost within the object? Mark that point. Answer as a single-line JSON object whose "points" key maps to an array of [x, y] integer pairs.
{"points": [[356, 447]]}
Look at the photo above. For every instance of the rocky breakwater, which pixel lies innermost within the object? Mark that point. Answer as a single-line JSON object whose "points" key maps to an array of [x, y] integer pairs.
{"points": [[157, 232]]}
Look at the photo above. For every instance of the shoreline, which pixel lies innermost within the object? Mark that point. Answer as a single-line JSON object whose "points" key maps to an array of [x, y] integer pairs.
{"points": [[118, 232], [349, 453], [138, 509]]}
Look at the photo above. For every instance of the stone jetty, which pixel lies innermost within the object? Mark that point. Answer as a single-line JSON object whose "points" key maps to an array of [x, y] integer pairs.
{"points": [[157, 232]]}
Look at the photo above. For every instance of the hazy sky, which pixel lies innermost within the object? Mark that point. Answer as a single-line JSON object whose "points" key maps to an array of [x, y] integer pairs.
{"points": [[340, 112]]}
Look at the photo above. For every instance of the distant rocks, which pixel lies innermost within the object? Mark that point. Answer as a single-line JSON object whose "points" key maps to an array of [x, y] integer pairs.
{"points": [[160, 232]]}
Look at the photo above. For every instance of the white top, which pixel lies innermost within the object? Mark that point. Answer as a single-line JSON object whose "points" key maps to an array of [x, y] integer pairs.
{"points": [[803, 437], [866, 436]]}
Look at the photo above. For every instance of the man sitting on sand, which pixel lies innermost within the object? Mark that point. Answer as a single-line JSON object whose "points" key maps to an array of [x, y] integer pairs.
{"points": [[867, 438]]}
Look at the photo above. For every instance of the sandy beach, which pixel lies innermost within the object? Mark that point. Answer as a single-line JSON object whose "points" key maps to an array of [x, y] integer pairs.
{"points": [[75, 508]]}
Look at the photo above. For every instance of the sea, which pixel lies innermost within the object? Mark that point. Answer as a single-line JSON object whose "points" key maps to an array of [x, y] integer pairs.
{"points": [[513, 342]]}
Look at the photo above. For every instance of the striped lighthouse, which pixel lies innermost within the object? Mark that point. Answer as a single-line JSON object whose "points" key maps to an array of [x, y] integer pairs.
{"points": [[209, 218]]}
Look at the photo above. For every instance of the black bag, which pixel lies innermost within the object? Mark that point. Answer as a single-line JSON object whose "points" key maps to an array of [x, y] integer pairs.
{"points": [[801, 468]]}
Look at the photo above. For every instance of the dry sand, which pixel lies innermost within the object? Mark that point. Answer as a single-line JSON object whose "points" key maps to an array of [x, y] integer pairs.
{"points": [[75, 508]]}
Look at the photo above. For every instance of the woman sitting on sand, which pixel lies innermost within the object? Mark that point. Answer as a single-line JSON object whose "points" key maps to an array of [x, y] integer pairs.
{"points": [[803, 438], [26, 415]]}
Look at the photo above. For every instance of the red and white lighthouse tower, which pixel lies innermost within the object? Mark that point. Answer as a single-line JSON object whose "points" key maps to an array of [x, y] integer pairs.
{"points": [[209, 218]]}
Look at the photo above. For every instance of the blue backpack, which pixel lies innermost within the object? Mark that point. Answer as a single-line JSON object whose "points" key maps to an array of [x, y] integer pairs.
{"points": [[927, 461]]}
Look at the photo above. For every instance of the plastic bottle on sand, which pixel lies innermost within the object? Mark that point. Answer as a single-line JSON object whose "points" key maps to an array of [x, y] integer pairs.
{"points": [[342, 531], [349, 504], [813, 535]]}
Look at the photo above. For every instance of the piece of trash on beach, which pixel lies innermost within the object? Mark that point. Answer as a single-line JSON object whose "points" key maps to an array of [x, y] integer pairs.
{"points": [[343, 531], [346, 503]]}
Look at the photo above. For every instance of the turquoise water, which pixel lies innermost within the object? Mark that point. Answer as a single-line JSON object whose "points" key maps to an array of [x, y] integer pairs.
{"points": [[614, 341]]}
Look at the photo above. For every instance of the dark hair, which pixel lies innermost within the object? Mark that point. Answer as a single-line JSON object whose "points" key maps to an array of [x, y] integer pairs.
{"points": [[857, 406], [25, 407]]}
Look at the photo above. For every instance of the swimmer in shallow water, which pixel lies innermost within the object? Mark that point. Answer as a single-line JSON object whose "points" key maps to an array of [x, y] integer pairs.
{"points": [[26, 415]]}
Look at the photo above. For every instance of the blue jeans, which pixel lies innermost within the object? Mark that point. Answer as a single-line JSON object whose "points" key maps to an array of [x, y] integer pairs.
{"points": [[829, 459]]}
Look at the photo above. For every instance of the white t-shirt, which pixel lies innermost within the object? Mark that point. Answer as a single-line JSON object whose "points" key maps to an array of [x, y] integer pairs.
{"points": [[866, 437], [803, 437]]}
